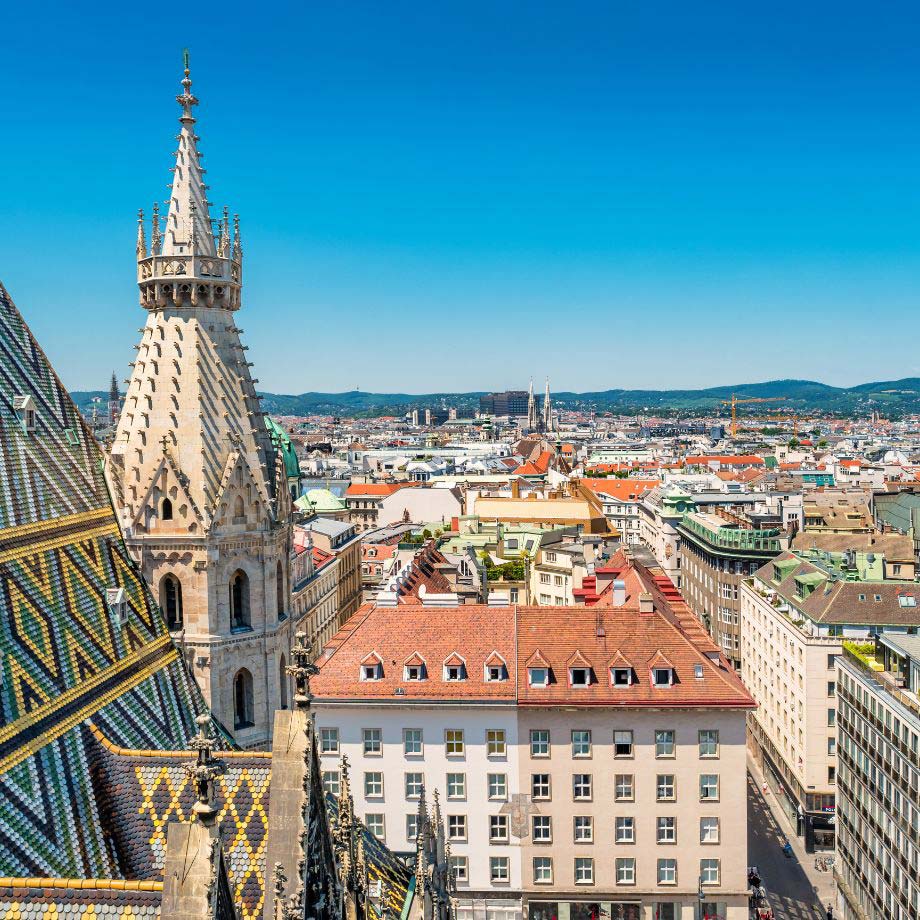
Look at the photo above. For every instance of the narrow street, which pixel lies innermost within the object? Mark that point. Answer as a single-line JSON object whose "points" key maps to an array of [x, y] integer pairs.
{"points": [[789, 889]]}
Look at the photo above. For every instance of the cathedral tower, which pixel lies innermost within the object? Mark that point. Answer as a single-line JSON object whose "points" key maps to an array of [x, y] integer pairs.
{"points": [[531, 409], [547, 420], [199, 486]]}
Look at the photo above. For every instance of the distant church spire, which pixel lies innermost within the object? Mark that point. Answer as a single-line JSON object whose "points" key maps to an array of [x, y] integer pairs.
{"points": [[188, 221], [547, 409], [531, 409]]}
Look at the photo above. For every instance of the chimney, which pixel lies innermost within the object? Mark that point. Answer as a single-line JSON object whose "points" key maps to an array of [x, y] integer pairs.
{"points": [[515, 488], [646, 604], [619, 593]]}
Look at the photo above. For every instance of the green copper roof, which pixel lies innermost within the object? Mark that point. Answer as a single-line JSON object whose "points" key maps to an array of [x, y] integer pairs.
{"points": [[283, 443], [320, 501]]}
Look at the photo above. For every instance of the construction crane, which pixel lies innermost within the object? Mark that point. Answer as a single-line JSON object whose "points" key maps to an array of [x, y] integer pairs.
{"points": [[735, 401]]}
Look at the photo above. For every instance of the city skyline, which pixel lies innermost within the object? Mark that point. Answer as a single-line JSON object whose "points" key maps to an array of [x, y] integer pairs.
{"points": [[551, 168]]}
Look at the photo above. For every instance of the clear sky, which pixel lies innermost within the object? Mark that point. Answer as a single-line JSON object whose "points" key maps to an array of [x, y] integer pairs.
{"points": [[456, 196]]}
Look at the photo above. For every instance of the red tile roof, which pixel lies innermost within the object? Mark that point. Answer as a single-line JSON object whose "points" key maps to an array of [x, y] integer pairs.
{"points": [[621, 490], [376, 488], [725, 460]]}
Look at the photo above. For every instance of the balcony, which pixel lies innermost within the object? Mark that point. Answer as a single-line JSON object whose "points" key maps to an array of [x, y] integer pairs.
{"points": [[738, 539], [864, 655]]}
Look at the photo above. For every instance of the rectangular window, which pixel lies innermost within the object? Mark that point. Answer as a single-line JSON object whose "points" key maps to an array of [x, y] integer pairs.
{"points": [[329, 741], [831, 717], [373, 743], [667, 871], [664, 743], [414, 783], [412, 742], [624, 789], [664, 787], [539, 786], [331, 782], [584, 870], [626, 871], [375, 824], [831, 746], [581, 786], [453, 742], [625, 830], [581, 743], [543, 870], [542, 826], [709, 871], [499, 868], [539, 677], [666, 830], [709, 742], [411, 826], [622, 677], [456, 827], [709, 787], [498, 828], [661, 677], [539, 742], [373, 785], [456, 785], [495, 742], [584, 829], [709, 830], [498, 786], [460, 868], [622, 744]]}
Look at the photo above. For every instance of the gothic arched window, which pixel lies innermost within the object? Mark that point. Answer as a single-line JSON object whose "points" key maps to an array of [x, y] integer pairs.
{"points": [[166, 512], [239, 509], [242, 700], [284, 683], [171, 601], [279, 589], [239, 601]]}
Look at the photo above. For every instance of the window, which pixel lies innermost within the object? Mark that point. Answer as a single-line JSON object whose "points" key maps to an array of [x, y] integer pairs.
{"points": [[539, 786], [373, 743], [581, 743], [242, 700], [538, 677], [411, 826], [498, 828], [832, 746], [666, 830], [625, 830], [373, 785], [667, 871], [331, 782], [329, 741], [460, 868], [539, 742], [662, 677], [583, 829], [543, 870], [666, 910], [239, 601], [456, 785], [831, 717], [584, 870], [414, 784], [621, 677], [831, 659], [664, 787], [709, 743], [581, 786], [171, 601], [414, 672], [622, 744], [456, 827], [498, 786], [453, 672], [495, 742], [412, 742], [372, 671], [624, 789], [542, 827], [709, 871], [626, 871], [664, 743], [496, 671], [375, 825], [709, 830], [453, 742], [499, 868], [709, 787], [579, 677]]}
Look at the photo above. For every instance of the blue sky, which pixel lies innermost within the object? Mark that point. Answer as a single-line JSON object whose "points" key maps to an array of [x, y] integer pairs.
{"points": [[457, 196]]}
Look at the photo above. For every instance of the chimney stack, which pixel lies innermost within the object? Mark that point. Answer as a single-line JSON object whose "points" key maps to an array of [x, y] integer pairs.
{"points": [[646, 604], [619, 593]]}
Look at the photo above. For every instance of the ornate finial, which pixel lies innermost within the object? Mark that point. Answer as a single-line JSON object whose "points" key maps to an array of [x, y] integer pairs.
{"points": [[141, 242], [237, 242], [203, 771], [164, 442], [193, 221], [186, 99], [156, 238], [223, 245], [279, 880], [302, 670]]}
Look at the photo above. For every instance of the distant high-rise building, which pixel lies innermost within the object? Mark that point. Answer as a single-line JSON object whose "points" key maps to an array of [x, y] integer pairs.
{"points": [[509, 402]]}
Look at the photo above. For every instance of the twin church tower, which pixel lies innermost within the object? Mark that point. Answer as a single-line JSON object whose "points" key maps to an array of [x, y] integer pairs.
{"points": [[199, 485]]}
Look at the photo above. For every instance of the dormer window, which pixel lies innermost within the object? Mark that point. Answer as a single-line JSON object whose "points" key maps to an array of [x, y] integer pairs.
{"points": [[579, 677], [662, 677], [538, 677], [621, 677], [454, 672], [496, 672], [371, 671], [24, 407], [118, 605], [414, 672]]}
